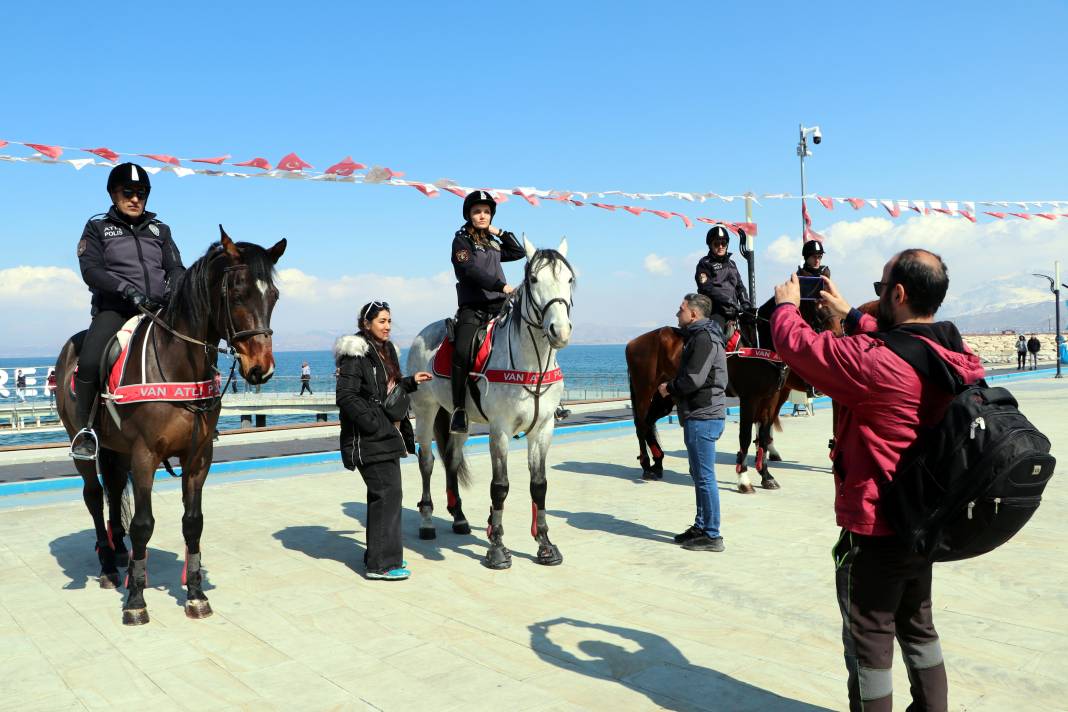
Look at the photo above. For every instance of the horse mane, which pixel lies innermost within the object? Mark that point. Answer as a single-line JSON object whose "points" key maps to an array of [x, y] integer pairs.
{"points": [[191, 298], [549, 257]]}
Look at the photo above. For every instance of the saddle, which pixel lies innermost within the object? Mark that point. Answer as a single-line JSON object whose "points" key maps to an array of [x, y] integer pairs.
{"points": [[483, 347], [114, 362]]}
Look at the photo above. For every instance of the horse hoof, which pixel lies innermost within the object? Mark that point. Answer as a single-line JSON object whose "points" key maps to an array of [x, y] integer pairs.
{"points": [[769, 483], [461, 527], [135, 616], [122, 559], [651, 475], [197, 609], [775, 457], [426, 533], [746, 489], [550, 556], [498, 558], [109, 581]]}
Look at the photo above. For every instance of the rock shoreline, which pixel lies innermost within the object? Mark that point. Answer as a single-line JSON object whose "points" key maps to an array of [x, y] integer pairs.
{"points": [[1000, 349]]}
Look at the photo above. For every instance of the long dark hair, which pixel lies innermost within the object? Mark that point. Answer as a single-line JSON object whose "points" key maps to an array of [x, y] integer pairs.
{"points": [[368, 313], [481, 237]]}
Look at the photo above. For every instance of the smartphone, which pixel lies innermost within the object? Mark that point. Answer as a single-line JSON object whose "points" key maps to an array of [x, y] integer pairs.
{"points": [[810, 288]]}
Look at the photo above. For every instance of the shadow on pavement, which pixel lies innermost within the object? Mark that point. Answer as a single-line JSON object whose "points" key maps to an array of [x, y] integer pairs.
{"points": [[657, 669], [321, 542], [601, 522]]}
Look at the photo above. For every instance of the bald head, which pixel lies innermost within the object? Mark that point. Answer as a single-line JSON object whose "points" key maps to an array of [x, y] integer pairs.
{"points": [[924, 277]]}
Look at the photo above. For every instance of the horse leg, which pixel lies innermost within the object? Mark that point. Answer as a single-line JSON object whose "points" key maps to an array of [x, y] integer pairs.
{"points": [[745, 438], [498, 556], [661, 407], [537, 448], [763, 446], [194, 472], [93, 496], [424, 433], [115, 478], [451, 448], [134, 611]]}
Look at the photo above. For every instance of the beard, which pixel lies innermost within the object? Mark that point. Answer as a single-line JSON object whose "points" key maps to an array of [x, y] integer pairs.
{"points": [[884, 317]]}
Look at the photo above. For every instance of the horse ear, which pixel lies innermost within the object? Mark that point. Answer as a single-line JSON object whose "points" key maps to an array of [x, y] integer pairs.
{"points": [[228, 244], [277, 251], [529, 247], [562, 249]]}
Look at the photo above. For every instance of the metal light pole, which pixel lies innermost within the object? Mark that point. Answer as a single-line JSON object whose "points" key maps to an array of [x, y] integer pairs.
{"points": [[1054, 286], [803, 152]]}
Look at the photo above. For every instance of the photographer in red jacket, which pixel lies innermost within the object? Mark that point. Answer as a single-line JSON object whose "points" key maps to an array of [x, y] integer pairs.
{"points": [[884, 589]]}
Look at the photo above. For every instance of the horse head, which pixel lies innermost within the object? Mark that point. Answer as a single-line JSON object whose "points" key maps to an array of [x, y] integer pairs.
{"points": [[246, 299], [549, 281]]}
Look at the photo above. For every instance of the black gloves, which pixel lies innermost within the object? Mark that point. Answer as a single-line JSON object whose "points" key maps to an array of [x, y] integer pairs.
{"points": [[729, 311], [134, 295], [747, 317]]}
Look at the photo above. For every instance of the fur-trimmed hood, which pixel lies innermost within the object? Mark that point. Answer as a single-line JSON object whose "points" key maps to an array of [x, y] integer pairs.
{"points": [[355, 345]]}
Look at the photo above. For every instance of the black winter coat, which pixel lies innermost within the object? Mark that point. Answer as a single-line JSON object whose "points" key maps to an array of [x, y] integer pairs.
{"points": [[367, 435], [479, 275], [720, 281]]}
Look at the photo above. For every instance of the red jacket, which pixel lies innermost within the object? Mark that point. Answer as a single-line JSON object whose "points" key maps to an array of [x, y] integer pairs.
{"points": [[882, 404]]}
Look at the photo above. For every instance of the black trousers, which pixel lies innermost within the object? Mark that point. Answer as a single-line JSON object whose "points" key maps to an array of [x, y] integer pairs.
{"points": [[305, 385], [884, 592], [385, 550], [1021, 360], [468, 321], [87, 384]]}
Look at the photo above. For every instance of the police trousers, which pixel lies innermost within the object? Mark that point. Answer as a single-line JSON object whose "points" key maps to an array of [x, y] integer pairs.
{"points": [[468, 322]]}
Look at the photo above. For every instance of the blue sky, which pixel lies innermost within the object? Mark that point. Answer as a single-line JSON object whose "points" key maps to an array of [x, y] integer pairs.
{"points": [[928, 101]]}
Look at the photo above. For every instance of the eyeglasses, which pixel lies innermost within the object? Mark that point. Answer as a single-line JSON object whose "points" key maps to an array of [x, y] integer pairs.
{"points": [[128, 193], [720, 243], [879, 287]]}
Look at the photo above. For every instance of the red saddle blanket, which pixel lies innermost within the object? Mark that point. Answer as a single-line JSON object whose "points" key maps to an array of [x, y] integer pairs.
{"points": [[443, 365]]}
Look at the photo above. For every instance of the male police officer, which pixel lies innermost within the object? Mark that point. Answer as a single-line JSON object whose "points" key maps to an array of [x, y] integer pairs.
{"points": [[812, 254], [128, 260], [718, 279]]}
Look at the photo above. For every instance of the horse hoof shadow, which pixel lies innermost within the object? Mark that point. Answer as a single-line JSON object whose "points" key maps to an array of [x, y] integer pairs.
{"points": [[427, 533], [135, 616], [652, 476]]}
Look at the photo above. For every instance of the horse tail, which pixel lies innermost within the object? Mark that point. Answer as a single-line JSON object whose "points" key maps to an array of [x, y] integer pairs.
{"points": [[775, 423], [447, 448]]}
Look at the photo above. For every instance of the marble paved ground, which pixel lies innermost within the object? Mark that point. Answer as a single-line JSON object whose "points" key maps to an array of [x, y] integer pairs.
{"points": [[629, 621]]}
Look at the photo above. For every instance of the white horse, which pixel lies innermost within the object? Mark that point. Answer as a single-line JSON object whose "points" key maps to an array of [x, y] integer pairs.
{"points": [[520, 391]]}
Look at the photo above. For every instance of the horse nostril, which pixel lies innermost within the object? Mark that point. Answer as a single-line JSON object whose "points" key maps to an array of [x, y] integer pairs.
{"points": [[552, 330], [255, 374]]}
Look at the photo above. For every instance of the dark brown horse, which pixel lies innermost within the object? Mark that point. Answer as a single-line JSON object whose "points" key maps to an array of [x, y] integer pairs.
{"points": [[761, 385], [228, 293]]}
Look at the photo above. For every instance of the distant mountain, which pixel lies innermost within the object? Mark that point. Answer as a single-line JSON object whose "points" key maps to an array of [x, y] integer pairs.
{"points": [[1036, 316]]}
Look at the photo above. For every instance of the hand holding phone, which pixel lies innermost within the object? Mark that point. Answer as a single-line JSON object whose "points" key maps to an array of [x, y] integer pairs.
{"points": [[810, 288]]}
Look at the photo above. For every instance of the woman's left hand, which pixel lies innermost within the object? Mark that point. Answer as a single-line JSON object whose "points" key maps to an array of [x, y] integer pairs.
{"points": [[422, 377], [494, 230]]}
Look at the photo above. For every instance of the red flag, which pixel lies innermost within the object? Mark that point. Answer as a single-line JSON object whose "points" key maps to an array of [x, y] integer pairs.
{"points": [[1048, 216], [857, 203], [826, 202], [967, 215], [256, 163], [685, 220], [106, 153], [891, 208], [527, 195], [2, 143], [750, 228], [633, 210], [943, 211], [999, 216], [1025, 216], [52, 152], [710, 221], [427, 190], [162, 158], [575, 202], [292, 162], [606, 206], [345, 167], [217, 161], [661, 213], [455, 191]]}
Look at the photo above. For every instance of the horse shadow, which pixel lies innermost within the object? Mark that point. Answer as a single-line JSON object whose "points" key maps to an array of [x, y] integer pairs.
{"points": [[76, 555], [321, 542], [634, 474], [657, 669], [601, 522]]}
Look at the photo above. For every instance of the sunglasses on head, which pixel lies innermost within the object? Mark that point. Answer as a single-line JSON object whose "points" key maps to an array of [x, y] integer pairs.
{"points": [[141, 193], [381, 306]]}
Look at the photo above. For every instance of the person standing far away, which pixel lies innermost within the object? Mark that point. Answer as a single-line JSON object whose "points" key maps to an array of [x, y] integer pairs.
{"points": [[478, 249], [20, 385], [50, 385], [698, 391], [305, 379], [373, 400], [1021, 353], [883, 586], [1034, 346]]}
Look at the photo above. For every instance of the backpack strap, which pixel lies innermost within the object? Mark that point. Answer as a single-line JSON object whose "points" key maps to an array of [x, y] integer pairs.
{"points": [[918, 354]]}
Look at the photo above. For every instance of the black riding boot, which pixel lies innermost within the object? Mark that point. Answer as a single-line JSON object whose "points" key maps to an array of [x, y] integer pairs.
{"points": [[83, 446], [459, 397]]}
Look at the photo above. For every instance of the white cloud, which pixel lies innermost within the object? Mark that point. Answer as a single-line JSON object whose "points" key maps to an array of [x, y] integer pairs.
{"points": [[657, 265], [40, 307]]}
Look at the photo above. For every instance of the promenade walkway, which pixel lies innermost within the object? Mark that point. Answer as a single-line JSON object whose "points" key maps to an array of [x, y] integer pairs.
{"points": [[629, 621]]}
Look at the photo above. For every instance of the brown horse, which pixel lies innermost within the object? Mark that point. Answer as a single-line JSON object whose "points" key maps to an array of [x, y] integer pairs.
{"points": [[761, 385], [228, 293]]}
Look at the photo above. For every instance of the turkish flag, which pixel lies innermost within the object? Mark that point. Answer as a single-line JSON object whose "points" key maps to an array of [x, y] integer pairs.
{"points": [[685, 220], [2, 143], [217, 161], [662, 213], [292, 162], [426, 189], [345, 167], [52, 152], [162, 158], [1048, 216], [967, 215], [460, 192], [857, 203], [1025, 216], [633, 210], [256, 163], [999, 216], [826, 202], [106, 153], [606, 206]]}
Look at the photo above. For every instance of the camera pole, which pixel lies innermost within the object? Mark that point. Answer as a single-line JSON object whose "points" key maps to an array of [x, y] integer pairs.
{"points": [[802, 151], [1054, 286]]}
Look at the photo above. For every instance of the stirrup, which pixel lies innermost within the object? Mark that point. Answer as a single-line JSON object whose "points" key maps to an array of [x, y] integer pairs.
{"points": [[85, 433], [459, 422]]}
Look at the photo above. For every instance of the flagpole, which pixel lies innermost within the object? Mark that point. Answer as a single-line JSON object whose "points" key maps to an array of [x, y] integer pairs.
{"points": [[802, 151]]}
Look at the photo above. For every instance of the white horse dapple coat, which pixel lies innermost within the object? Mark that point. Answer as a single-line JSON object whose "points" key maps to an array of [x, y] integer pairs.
{"points": [[533, 326]]}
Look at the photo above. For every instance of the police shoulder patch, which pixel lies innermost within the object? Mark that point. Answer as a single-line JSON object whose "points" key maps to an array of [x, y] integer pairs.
{"points": [[82, 245], [702, 277], [154, 229], [462, 255]]}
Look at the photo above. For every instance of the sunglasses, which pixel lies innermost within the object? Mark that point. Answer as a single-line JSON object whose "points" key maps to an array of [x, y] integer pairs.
{"points": [[128, 193], [720, 243], [879, 287], [381, 306]]}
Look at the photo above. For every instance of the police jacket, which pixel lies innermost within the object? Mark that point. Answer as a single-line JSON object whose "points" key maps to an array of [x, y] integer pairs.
{"points": [[367, 434], [479, 275], [114, 254], [719, 280], [698, 387], [804, 271]]}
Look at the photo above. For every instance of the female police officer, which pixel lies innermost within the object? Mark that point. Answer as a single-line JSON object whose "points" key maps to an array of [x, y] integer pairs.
{"points": [[478, 249], [128, 260]]}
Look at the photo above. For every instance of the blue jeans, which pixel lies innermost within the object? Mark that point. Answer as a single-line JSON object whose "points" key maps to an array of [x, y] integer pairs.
{"points": [[700, 437]]}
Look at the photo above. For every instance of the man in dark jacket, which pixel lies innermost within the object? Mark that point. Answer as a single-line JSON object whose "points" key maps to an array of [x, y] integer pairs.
{"points": [[1033, 347], [129, 260], [884, 589], [478, 249], [698, 392], [718, 279]]}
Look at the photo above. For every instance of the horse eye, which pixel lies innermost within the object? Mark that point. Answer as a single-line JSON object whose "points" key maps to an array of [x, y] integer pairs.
{"points": [[533, 280]]}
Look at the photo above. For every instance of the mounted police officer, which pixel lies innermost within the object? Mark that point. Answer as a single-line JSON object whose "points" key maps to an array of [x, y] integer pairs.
{"points": [[718, 279], [812, 254], [128, 260], [478, 249]]}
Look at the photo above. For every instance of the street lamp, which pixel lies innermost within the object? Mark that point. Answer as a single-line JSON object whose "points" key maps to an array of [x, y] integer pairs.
{"points": [[1054, 286], [802, 152]]}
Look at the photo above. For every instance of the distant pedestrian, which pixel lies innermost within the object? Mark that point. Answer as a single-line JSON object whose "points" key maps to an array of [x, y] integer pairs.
{"points": [[1021, 352], [1034, 346], [305, 379], [698, 391], [20, 385], [51, 386]]}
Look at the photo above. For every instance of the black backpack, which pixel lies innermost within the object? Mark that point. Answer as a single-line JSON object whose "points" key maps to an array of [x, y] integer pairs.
{"points": [[969, 483]]}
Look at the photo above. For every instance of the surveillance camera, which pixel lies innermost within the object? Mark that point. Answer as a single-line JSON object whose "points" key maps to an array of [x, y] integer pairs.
{"points": [[817, 135]]}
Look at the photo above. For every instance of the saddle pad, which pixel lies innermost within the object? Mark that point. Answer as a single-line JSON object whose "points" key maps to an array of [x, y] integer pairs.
{"points": [[443, 356], [145, 392], [732, 343]]}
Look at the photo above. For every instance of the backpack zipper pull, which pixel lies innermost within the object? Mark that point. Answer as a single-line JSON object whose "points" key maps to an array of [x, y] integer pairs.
{"points": [[971, 506], [977, 423], [997, 501]]}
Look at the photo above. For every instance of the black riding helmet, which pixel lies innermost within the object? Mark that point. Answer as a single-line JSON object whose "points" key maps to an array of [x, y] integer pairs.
{"points": [[479, 197], [717, 232], [811, 247], [128, 174]]}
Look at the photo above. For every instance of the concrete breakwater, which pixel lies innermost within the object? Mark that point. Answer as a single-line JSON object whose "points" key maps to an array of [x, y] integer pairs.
{"points": [[1000, 349]]}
